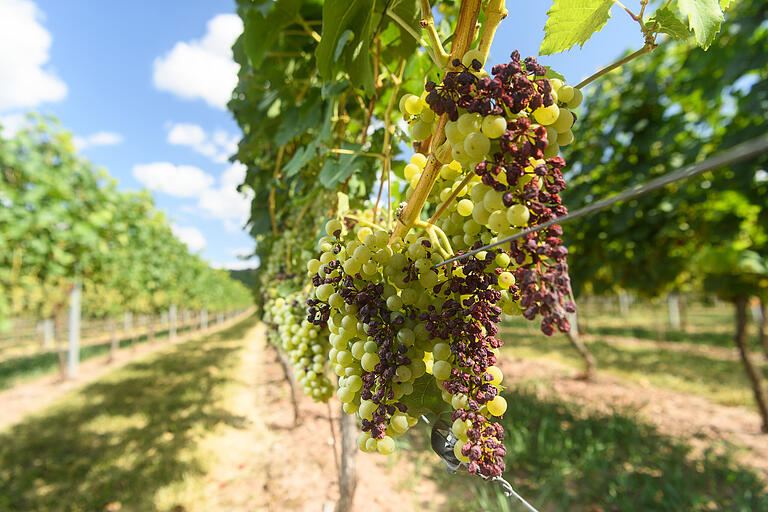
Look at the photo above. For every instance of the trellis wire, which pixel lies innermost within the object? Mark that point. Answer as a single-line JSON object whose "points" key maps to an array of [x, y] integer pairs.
{"points": [[509, 491], [737, 153]]}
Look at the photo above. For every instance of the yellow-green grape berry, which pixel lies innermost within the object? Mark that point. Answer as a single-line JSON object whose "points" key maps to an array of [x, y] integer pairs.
{"points": [[369, 361], [427, 115], [464, 207], [565, 138], [332, 226], [469, 123], [421, 130], [441, 370], [399, 423], [552, 149], [370, 445], [419, 160], [565, 93], [502, 260], [576, 100], [385, 445], [459, 429], [477, 145], [363, 232], [457, 452], [546, 115], [413, 105], [313, 266], [506, 279], [441, 351], [410, 171], [458, 152], [366, 409], [495, 372], [497, 406], [324, 291], [362, 439], [498, 222], [471, 55], [494, 126], [518, 215], [556, 83], [564, 121], [452, 132], [403, 99]]}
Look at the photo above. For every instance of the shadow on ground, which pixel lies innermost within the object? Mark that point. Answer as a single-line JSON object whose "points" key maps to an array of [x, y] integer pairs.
{"points": [[561, 458], [124, 437]]}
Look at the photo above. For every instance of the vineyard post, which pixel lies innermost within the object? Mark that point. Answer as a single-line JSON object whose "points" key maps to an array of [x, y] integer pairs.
{"points": [[172, 322], [48, 333], [203, 319], [114, 343], [761, 321], [73, 353], [348, 476], [673, 304]]}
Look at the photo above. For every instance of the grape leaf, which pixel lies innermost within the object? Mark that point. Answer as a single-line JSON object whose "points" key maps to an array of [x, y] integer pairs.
{"points": [[425, 397], [704, 17], [551, 73], [667, 22], [573, 22], [336, 171], [262, 30], [346, 31]]}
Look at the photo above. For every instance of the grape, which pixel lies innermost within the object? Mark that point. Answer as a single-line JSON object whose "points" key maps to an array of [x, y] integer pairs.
{"points": [[506, 279], [421, 130], [386, 445], [564, 121], [419, 160], [576, 100], [477, 145], [497, 406], [469, 123], [441, 370], [471, 55], [546, 115], [556, 83], [565, 138], [464, 207], [566, 93], [452, 132], [332, 226], [457, 452], [518, 215], [413, 105], [494, 126], [411, 171]]}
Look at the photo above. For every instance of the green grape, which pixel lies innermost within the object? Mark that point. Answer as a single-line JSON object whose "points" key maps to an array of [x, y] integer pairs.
{"points": [[413, 105], [386, 445], [565, 138], [506, 279], [518, 215], [464, 207], [564, 121], [452, 132], [495, 372], [546, 115], [477, 145], [441, 370], [419, 160], [566, 93], [469, 123], [494, 126], [497, 406], [576, 100], [421, 130], [552, 149]]}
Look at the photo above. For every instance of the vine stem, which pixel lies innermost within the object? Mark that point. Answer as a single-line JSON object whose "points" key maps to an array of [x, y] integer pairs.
{"points": [[400, 21], [453, 196], [387, 144], [465, 29], [439, 54], [642, 51], [494, 13]]}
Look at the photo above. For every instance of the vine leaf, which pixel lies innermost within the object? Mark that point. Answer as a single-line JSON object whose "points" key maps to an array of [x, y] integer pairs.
{"points": [[668, 23], [573, 22], [300, 159], [346, 33], [335, 171], [704, 18], [262, 29], [425, 397]]}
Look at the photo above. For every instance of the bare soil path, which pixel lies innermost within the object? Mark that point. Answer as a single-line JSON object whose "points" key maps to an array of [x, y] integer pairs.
{"points": [[682, 415]]}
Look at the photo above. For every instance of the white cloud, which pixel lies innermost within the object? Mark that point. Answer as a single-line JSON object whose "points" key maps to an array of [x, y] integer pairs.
{"points": [[236, 265], [225, 202], [190, 235], [241, 252], [97, 139], [12, 123], [174, 180], [24, 81], [202, 69], [218, 147]]}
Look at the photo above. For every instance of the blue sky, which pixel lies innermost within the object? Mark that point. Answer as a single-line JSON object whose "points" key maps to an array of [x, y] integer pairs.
{"points": [[143, 86]]}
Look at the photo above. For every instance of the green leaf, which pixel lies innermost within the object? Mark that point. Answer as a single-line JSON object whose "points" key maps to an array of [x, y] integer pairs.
{"points": [[704, 17], [261, 31], [573, 22], [725, 4], [426, 397], [551, 73], [300, 159], [346, 31], [336, 171], [668, 23]]}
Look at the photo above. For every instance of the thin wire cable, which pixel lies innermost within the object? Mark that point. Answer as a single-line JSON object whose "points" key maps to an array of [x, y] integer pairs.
{"points": [[736, 154], [509, 491]]}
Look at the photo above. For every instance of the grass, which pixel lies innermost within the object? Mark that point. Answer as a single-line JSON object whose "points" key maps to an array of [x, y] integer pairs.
{"points": [[18, 369], [560, 458], [125, 438], [722, 381]]}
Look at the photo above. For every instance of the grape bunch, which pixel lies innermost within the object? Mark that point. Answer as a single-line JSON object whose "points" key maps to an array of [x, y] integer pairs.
{"points": [[306, 344]]}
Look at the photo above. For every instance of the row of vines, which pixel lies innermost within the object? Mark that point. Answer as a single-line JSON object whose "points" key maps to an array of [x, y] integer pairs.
{"points": [[384, 164], [64, 223]]}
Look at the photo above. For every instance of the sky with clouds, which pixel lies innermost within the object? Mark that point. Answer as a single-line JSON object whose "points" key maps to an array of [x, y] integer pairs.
{"points": [[143, 87]]}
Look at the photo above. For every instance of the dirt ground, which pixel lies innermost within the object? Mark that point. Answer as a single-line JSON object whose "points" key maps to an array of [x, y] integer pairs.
{"points": [[275, 466], [691, 417]]}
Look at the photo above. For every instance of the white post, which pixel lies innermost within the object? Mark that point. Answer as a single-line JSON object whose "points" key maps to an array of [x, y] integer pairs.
{"points": [[172, 322], [127, 321], [673, 304], [204, 319], [48, 333], [219, 318], [73, 354], [623, 303]]}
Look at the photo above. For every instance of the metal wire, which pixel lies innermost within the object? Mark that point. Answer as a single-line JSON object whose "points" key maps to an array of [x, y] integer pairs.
{"points": [[737, 153]]}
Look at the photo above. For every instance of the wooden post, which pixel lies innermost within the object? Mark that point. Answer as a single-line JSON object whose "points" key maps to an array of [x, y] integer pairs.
{"points": [[48, 333], [73, 352], [673, 305], [203, 319], [753, 373], [172, 322], [114, 343], [348, 476]]}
